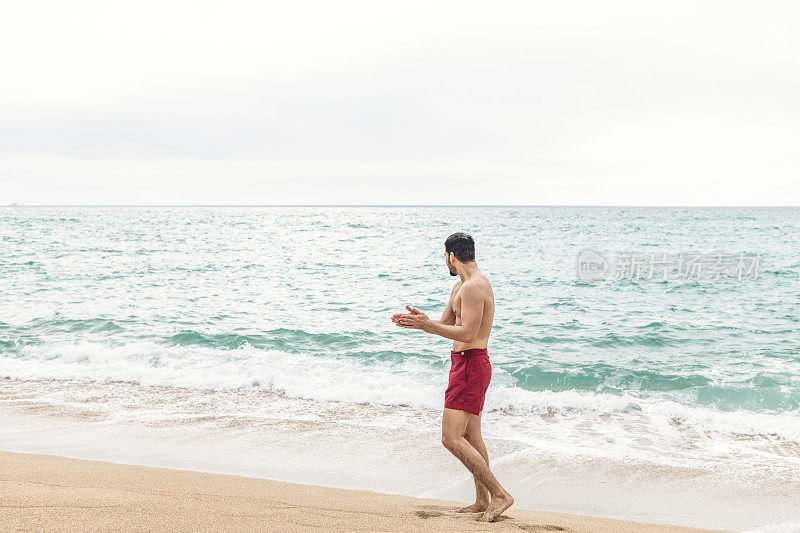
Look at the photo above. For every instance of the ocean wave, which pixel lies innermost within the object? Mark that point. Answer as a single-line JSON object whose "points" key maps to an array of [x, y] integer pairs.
{"points": [[391, 378], [600, 376], [277, 339], [340, 378]]}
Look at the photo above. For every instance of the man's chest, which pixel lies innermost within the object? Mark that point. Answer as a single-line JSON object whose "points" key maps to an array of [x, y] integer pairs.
{"points": [[457, 303]]}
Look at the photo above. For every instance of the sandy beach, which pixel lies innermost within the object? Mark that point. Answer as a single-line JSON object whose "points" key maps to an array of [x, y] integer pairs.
{"points": [[46, 492]]}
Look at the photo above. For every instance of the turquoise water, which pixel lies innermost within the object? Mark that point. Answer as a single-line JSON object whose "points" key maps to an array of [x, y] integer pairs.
{"points": [[296, 302]]}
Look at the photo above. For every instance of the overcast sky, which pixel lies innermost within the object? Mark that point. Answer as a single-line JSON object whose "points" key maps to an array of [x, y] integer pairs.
{"points": [[531, 102]]}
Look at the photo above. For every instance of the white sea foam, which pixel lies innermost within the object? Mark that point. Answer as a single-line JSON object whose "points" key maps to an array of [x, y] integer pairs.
{"points": [[411, 382], [782, 527], [591, 420]]}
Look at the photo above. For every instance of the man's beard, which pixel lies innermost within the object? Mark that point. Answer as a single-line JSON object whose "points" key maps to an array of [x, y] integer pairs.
{"points": [[452, 273]]}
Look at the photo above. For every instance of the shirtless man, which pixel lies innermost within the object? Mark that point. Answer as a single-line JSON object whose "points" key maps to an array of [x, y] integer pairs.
{"points": [[467, 320]]}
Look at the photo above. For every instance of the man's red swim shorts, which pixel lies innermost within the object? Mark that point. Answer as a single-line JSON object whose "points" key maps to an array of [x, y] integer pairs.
{"points": [[470, 374]]}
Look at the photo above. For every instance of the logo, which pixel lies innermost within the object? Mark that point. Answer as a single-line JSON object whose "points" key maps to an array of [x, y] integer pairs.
{"points": [[591, 265]]}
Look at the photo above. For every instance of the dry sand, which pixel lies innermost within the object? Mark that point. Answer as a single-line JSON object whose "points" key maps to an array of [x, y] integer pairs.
{"points": [[50, 493]]}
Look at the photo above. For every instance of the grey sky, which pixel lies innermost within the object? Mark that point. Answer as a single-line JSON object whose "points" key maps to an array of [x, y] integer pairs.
{"points": [[409, 102]]}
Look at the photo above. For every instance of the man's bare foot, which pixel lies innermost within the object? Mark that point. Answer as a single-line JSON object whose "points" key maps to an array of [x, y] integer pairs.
{"points": [[477, 507], [497, 507]]}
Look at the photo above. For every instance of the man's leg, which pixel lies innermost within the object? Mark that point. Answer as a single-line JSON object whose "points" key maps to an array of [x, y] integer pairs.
{"points": [[475, 439], [454, 426]]}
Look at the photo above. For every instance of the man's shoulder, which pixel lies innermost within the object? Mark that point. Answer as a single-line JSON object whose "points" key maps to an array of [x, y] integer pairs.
{"points": [[477, 286]]}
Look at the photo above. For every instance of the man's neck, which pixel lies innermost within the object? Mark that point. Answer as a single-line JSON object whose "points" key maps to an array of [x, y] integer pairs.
{"points": [[468, 271]]}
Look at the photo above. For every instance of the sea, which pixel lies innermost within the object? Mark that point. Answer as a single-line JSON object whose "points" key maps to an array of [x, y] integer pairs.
{"points": [[258, 341]]}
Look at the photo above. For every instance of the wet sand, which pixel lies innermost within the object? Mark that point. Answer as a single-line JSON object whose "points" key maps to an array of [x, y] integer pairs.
{"points": [[51, 493]]}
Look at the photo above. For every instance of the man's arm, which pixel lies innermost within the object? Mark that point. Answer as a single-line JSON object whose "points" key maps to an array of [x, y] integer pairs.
{"points": [[471, 317], [448, 315]]}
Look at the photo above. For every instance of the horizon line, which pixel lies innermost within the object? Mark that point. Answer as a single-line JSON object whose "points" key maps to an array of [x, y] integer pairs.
{"points": [[397, 205]]}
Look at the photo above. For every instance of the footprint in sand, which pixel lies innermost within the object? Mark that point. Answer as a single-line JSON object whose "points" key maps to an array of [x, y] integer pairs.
{"points": [[537, 527], [431, 511]]}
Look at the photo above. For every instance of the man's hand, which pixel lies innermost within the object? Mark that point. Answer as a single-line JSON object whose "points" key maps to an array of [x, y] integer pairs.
{"points": [[473, 300], [414, 319]]}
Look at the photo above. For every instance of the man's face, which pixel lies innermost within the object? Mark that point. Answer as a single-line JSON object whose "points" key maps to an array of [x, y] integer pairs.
{"points": [[450, 266]]}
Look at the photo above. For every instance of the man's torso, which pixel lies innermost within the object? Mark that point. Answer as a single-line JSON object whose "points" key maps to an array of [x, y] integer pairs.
{"points": [[485, 288]]}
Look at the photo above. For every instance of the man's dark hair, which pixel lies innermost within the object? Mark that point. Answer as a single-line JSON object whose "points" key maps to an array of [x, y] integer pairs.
{"points": [[462, 246]]}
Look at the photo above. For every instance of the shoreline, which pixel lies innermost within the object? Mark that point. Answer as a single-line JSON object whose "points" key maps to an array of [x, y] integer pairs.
{"points": [[57, 493], [222, 433]]}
